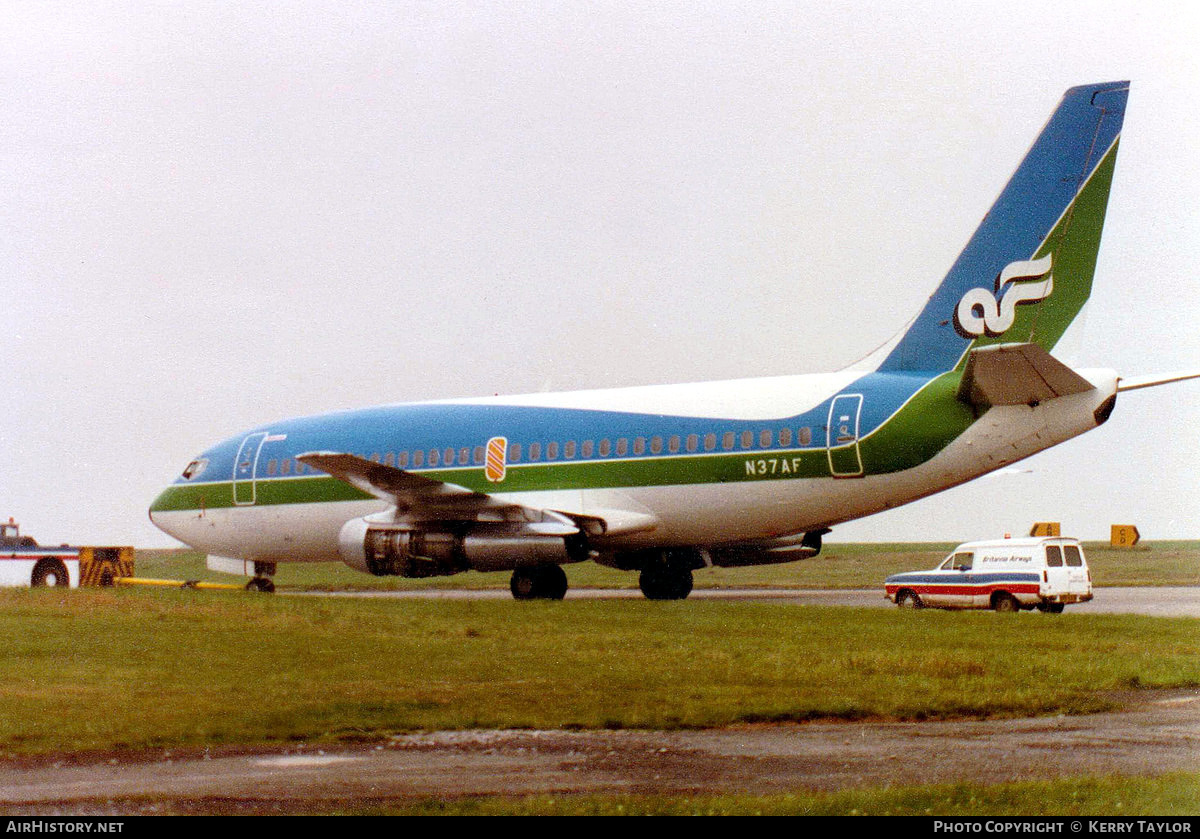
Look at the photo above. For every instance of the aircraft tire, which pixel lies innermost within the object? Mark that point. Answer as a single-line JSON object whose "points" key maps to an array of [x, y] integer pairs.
{"points": [[263, 584], [49, 573], [665, 581], [544, 582]]}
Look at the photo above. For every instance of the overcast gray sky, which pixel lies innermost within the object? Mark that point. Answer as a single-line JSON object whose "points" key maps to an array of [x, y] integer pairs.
{"points": [[216, 214]]}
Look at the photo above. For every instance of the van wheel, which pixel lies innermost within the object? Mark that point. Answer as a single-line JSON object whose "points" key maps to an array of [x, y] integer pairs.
{"points": [[909, 600], [1051, 608], [1006, 603]]}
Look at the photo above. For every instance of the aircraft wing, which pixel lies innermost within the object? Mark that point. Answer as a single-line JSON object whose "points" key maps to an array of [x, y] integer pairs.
{"points": [[417, 498], [1016, 374]]}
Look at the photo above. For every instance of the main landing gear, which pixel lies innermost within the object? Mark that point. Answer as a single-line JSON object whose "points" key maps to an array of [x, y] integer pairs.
{"points": [[668, 576], [539, 582]]}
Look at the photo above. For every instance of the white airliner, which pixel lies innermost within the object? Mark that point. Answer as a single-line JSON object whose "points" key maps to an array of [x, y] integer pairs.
{"points": [[667, 479]]}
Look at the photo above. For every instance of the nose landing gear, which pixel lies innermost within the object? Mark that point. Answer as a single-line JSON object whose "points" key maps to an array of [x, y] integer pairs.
{"points": [[263, 572]]}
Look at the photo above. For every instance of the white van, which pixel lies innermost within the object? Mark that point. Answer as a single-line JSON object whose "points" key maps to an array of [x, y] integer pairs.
{"points": [[1006, 575]]}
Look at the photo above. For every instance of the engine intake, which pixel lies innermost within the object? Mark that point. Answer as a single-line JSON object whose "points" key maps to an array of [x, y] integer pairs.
{"points": [[385, 550]]}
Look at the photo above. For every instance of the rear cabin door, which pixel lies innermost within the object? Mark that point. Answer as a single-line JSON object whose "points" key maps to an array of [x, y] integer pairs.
{"points": [[245, 467], [842, 436], [1057, 576], [1078, 581]]}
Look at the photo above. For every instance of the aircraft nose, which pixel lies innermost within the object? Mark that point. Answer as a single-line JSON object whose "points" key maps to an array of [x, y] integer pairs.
{"points": [[165, 514]]}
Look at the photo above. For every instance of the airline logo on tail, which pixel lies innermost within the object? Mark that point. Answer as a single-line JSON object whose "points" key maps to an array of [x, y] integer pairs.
{"points": [[981, 312]]}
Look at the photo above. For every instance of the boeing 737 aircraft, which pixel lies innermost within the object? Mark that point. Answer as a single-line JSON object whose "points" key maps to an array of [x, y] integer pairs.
{"points": [[667, 479]]}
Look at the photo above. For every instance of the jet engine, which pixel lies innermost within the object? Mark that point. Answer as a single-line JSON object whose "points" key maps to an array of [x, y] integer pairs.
{"points": [[406, 551]]}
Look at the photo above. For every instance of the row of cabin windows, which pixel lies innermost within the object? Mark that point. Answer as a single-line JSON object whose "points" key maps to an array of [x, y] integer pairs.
{"points": [[622, 447]]}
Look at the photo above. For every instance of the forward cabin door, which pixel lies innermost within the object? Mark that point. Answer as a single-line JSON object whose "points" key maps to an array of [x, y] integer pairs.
{"points": [[841, 438], [244, 468]]}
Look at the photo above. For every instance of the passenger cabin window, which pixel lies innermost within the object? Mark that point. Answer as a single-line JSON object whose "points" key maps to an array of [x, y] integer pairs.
{"points": [[693, 442], [639, 446], [1074, 557], [464, 456], [418, 459], [764, 438], [552, 451], [605, 448], [785, 436], [1054, 556], [272, 466], [673, 444], [656, 445], [569, 449], [435, 457], [285, 468], [514, 453], [804, 436], [535, 451], [389, 459], [747, 439], [622, 447], [402, 460], [727, 441], [587, 449], [710, 441], [477, 456]]}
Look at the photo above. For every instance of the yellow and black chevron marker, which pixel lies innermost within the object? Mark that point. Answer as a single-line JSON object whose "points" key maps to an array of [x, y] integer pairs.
{"points": [[104, 566]]}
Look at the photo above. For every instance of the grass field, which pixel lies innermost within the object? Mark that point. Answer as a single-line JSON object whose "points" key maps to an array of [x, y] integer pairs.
{"points": [[838, 566], [1170, 795], [100, 669]]}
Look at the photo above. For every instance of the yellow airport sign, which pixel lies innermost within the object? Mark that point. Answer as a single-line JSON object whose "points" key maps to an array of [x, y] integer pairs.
{"points": [[1125, 535], [1046, 528]]}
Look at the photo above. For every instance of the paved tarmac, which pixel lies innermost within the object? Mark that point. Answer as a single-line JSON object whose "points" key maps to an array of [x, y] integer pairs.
{"points": [[1157, 601]]}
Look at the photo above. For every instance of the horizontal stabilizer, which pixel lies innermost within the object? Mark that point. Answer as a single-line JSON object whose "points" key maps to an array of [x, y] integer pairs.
{"points": [[1139, 382], [1016, 374]]}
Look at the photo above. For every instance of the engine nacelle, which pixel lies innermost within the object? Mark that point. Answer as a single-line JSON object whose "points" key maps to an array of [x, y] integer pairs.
{"points": [[388, 550]]}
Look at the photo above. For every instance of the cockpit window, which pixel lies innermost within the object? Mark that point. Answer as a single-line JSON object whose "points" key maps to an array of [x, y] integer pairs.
{"points": [[194, 469]]}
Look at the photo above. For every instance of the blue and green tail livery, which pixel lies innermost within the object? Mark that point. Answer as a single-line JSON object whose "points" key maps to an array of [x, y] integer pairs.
{"points": [[1027, 270], [666, 479]]}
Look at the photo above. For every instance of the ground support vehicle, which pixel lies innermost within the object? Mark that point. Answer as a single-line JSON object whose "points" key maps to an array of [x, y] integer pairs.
{"points": [[25, 563], [1006, 575]]}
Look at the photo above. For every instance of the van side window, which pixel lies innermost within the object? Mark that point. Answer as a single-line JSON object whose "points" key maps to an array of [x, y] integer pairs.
{"points": [[1054, 556], [1074, 557]]}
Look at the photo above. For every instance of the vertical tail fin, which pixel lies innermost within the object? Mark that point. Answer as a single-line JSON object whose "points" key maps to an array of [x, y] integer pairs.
{"points": [[1027, 270]]}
